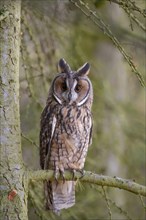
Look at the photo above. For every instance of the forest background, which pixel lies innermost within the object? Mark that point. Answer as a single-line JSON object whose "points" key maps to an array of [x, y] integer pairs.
{"points": [[79, 32]]}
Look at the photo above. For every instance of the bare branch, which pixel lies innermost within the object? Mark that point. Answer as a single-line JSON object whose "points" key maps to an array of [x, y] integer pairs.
{"points": [[107, 202], [90, 177], [116, 206], [29, 140], [37, 206], [128, 10], [130, 5], [106, 30]]}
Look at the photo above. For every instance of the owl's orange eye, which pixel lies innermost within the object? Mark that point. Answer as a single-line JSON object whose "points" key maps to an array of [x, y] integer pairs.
{"points": [[63, 86], [78, 88]]}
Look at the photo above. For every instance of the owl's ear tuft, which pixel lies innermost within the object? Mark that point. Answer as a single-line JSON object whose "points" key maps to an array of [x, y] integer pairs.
{"points": [[84, 70], [63, 66]]}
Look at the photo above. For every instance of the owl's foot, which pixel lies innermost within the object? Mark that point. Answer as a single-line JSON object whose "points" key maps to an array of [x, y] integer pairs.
{"points": [[77, 170], [57, 173], [62, 175], [73, 174], [82, 172]]}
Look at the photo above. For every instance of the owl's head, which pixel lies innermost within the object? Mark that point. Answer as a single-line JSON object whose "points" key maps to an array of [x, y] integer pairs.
{"points": [[70, 87]]}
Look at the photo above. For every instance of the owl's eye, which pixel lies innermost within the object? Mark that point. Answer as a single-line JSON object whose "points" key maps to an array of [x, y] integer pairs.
{"points": [[63, 86], [78, 88]]}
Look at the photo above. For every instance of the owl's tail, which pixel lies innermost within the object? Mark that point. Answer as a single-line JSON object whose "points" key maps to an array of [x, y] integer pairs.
{"points": [[59, 195]]}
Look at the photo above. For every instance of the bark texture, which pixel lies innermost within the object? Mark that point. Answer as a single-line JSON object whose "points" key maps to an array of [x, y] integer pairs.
{"points": [[13, 196]]}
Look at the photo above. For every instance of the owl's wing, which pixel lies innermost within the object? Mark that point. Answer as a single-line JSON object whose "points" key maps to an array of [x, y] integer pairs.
{"points": [[90, 136], [48, 124]]}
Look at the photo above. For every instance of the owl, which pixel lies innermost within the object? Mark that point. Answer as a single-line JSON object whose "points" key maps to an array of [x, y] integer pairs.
{"points": [[66, 130]]}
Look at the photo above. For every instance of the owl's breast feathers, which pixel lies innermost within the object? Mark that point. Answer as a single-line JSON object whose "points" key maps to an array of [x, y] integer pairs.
{"points": [[70, 139]]}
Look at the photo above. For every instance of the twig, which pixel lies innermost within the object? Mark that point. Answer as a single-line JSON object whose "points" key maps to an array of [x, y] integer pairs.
{"points": [[37, 201], [142, 202], [137, 8], [133, 17], [29, 140], [118, 207], [29, 86], [91, 178], [39, 212], [107, 202], [106, 30], [130, 5], [36, 45]]}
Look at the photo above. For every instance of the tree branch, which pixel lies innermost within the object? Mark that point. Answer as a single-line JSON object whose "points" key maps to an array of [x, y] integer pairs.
{"points": [[130, 5], [29, 140], [97, 20], [90, 177], [128, 10]]}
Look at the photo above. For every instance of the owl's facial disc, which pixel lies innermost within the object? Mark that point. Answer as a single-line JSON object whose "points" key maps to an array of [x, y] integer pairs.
{"points": [[69, 90]]}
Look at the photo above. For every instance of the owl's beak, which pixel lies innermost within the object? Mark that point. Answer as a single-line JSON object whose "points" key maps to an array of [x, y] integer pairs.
{"points": [[69, 97]]}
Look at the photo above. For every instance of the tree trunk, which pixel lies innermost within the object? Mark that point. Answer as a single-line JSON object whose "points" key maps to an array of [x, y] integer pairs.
{"points": [[11, 183]]}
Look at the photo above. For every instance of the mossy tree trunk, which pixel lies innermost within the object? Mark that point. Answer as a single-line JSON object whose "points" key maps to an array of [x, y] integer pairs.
{"points": [[12, 171]]}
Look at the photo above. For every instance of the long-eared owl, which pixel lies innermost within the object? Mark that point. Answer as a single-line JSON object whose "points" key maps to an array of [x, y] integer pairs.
{"points": [[66, 129]]}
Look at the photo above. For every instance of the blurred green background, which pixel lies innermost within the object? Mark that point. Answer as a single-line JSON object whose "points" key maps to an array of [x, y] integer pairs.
{"points": [[57, 29]]}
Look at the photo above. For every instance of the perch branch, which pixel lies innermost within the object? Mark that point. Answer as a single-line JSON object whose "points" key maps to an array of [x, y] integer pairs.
{"points": [[90, 177]]}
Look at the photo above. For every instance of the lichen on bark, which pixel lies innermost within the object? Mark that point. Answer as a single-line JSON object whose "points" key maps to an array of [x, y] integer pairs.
{"points": [[11, 165]]}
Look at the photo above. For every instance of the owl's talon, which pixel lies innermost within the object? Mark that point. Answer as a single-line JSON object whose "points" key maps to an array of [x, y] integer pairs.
{"points": [[82, 173], [62, 175], [56, 174], [63, 179], [73, 174]]}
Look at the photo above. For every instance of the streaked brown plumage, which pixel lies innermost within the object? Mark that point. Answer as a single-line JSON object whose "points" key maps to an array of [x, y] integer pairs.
{"points": [[66, 127]]}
